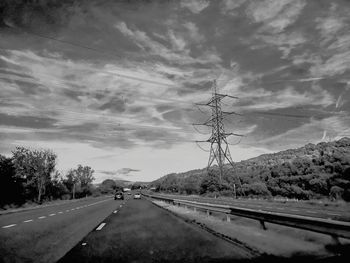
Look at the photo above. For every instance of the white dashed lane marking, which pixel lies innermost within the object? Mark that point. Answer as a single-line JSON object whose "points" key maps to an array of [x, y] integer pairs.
{"points": [[8, 226], [100, 226], [60, 212]]}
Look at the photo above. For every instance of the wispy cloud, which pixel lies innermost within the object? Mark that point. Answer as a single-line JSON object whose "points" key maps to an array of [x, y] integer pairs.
{"points": [[195, 6], [275, 15]]}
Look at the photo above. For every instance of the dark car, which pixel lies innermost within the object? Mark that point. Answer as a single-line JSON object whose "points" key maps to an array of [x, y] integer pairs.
{"points": [[119, 196]]}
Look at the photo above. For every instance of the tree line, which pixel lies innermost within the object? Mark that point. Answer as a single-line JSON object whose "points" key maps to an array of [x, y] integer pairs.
{"points": [[310, 172], [30, 175]]}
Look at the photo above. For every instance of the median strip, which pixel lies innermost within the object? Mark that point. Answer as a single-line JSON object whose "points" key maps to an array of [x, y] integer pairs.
{"points": [[100, 226]]}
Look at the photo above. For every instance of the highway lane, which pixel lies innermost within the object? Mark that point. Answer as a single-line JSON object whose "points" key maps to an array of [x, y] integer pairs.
{"points": [[143, 232], [46, 234], [295, 208]]}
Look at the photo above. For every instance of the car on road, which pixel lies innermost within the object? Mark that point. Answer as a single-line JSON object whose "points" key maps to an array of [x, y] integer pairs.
{"points": [[119, 196], [137, 196]]}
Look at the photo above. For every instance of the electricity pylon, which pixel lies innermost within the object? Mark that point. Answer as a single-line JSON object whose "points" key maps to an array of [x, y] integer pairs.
{"points": [[219, 150]]}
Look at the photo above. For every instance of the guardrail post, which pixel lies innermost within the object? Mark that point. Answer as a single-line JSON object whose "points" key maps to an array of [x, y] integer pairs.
{"points": [[228, 218], [208, 213], [262, 224]]}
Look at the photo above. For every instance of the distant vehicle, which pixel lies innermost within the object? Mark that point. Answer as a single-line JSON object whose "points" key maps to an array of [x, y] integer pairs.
{"points": [[129, 193], [137, 196], [119, 196]]}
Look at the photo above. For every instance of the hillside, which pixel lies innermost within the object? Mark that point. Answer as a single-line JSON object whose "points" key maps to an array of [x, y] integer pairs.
{"points": [[309, 172]]}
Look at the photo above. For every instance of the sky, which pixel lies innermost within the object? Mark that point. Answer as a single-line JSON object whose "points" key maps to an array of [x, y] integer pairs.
{"points": [[114, 84]]}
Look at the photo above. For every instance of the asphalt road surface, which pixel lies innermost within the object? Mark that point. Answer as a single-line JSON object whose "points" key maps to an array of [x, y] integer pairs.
{"points": [[46, 234], [142, 232], [294, 208]]}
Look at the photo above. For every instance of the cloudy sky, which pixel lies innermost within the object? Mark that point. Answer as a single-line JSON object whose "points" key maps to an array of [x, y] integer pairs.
{"points": [[112, 84]]}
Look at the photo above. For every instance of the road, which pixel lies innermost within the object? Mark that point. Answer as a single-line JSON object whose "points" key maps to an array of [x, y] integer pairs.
{"points": [[142, 232], [46, 234], [294, 208]]}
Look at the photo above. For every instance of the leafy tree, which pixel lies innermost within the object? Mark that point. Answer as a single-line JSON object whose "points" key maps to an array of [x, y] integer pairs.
{"points": [[108, 186], [210, 183], [35, 167], [56, 188], [79, 180], [11, 190]]}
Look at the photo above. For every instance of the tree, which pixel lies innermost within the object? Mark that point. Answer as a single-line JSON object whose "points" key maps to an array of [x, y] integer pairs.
{"points": [[71, 181], [56, 189], [108, 186], [79, 180], [35, 167], [85, 177], [210, 183], [11, 190]]}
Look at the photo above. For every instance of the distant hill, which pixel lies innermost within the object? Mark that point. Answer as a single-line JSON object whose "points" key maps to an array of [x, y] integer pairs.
{"points": [[312, 171]]}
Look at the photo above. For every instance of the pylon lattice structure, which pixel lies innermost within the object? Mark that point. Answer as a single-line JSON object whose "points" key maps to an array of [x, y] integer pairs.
{"points": [[219, 149]]}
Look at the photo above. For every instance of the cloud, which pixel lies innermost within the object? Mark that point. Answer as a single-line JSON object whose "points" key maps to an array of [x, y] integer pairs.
{"points": [[193, 33], [313, 131], [329, 26], [275, 15], [195, 6], [285, 42], [127, 171], [335, 65], [230, 5], [26, 121], [179, 53]]}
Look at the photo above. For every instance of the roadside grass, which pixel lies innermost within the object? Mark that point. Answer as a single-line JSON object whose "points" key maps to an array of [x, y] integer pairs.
{"points": [[281, 241]]}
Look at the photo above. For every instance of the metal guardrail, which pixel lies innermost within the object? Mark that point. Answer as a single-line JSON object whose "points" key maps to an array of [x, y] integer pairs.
{"points": [[325, 226]]}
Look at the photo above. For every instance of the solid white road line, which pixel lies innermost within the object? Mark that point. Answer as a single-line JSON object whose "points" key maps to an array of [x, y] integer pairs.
{"points": [[100, 226], [29, 220], [8, 226], [333, 214], [42, 217]]}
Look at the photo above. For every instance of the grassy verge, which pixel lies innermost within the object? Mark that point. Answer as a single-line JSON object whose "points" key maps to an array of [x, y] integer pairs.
{"points": [[279, 241]]}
